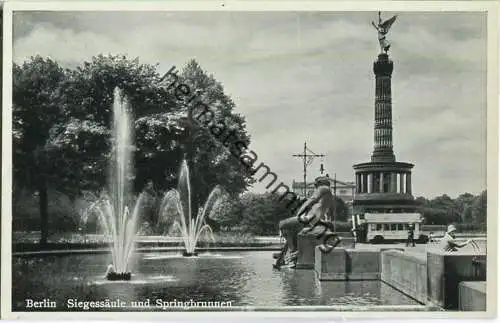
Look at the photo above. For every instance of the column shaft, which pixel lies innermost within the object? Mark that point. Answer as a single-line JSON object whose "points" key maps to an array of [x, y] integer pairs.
{"points": [[408, 183], [357, 183], [394, 183], [401, 182]]}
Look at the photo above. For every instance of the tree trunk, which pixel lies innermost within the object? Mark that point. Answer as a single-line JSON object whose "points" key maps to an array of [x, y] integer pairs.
{"points": [[43, 204]]}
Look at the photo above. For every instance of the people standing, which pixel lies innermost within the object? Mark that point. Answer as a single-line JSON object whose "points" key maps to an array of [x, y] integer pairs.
{"points": [[411, 236]]}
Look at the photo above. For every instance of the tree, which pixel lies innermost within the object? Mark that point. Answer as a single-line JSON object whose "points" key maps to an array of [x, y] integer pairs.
{"points": [[442, 210], [229, 213], [479, 208], [341, 210], [161, 132], [462, 203], [262, 213], [36, 111], [67, 143], [212, 163], [252, 213], [89, 101], [421, 201]]}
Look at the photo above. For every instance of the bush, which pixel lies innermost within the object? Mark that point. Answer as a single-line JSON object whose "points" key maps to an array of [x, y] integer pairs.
{"points": [[236, 238], [89, 223], [423, 238], [150, 213], [63, 216], [25, 211]]}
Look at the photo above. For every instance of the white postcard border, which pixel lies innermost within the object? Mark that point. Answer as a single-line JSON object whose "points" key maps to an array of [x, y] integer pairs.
{"points": [[248, 312]]}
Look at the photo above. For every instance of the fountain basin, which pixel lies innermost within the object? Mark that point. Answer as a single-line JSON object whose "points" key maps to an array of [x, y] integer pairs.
{"points": [[118, 276], [189, 254], [242, 278]]}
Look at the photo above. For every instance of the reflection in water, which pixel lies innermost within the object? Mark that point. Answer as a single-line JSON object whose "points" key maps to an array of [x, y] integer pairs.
{"points": [[302, 287], [299, 287], [246, 279], [141, 280], [159, 256]]}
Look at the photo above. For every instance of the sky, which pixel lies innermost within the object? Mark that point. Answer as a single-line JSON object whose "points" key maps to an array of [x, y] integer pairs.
{"points": [[307, 76]]}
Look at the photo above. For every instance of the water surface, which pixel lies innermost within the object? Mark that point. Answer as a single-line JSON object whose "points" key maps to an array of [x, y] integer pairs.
{"points": [[242, 278]]}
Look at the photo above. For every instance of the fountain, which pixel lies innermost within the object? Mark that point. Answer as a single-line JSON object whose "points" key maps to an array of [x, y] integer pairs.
{"points": [[190, 227], [113, 212]]}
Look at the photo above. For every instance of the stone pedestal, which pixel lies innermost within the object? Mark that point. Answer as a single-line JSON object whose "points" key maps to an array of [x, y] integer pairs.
{"points": [[445, 271], [306, 245], [347, 264], [331, 266]]}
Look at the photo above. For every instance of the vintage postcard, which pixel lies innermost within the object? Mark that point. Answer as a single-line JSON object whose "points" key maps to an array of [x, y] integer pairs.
{"points": [[286, 159]]}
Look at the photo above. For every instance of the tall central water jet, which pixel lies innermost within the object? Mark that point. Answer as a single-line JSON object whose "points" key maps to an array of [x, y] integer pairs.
{"points": [[117, 221], [179, 204]]}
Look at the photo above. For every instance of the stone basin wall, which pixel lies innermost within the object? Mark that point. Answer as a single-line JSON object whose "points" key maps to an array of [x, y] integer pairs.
{"points": [[446, 271], [432, 278], [472, 296], [307, 244], [347, 264], [405, 272]]}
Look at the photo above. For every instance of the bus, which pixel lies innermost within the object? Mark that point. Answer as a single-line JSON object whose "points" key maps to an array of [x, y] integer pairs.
{"points": [[385, 227]]}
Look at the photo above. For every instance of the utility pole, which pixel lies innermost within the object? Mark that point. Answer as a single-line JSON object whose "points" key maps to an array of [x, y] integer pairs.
{"points": [[307, 158]]}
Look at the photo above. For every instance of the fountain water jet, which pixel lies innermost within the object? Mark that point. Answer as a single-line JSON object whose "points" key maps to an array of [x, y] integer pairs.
{"points": [[190, 227], [113, 212]]}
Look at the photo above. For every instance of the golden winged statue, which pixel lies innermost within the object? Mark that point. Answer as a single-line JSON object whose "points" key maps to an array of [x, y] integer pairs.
{"points": [[383, 28]]}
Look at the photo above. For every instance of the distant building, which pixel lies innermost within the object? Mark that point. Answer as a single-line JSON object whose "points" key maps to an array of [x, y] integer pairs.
{"points": [[343, 190]]}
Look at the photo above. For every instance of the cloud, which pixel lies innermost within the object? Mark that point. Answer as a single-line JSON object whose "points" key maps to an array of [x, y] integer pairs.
{"points": [[308, 76]]}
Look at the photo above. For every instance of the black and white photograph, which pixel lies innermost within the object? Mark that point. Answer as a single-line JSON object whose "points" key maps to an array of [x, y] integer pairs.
{"points": [[304, 159]]}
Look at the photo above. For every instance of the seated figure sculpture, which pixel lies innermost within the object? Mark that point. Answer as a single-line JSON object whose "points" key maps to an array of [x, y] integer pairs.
{"points": [[311, 219]]}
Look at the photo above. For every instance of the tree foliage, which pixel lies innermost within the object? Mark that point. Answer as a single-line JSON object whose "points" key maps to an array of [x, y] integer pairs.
{"points": [[260, 213], [62, 119], [213, 164], [36, 112], [253, 213], [466, 208]]}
